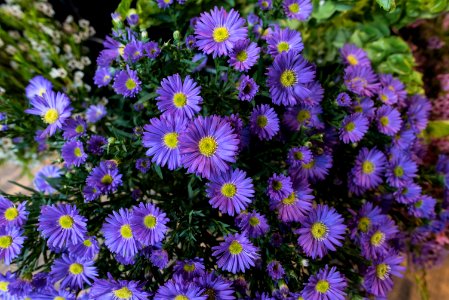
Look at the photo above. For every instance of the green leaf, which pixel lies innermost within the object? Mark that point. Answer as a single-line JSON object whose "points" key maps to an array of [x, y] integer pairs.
{"points": [[124, 7], [158, 171], [324, 11], [438, 129], [387, 5]]}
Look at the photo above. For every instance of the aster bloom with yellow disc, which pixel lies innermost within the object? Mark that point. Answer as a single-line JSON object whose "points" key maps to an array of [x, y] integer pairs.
{"points": [[375, 242], [190, 269], [105, 177], [284, 40], [368, 168], [231, 191], [401, 169], [73, 272], [74, 128], [11, 241], [179, 289], [303, 116], [247, 88], [297, 9], [178, 97], [208, 146], [118, 289], [264, 122], [127, 83], [53, 108], [253, 224], [353, 128], [279, 187], [423, 207], [244, 55], [217, 31], [378, 279], [161, 139], [73, 153], [236, 253], [40, 180], [354, 56], [62, 224], [287, 77], [11, 214], [148, 223], [5, 281], [296, 205], [214, 285], [298, 156], [88, 248], [118, 234], [362, 221], [361, 80], [389, 120], [327, 284], [394, 85], [322, 230], [38, 86]]}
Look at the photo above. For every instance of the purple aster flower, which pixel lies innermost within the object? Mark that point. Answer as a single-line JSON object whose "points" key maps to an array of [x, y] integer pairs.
{"points": [[401, 170], [275, 270], [244, 55], [218, 31], [315, 170], [369, 167], [418, 112], [387, 96], [365, 218], [161, 139], [208, 146], [190, 268], [51, 293], [96, 143], [353, 128], [408, 193], [152, 49], [201, 61], [404, 139], [159, 258], [322, 230], [298, 156], [126, 261], [143, 165], [105, 177], [62, 224], [179, 98], [38, 86], [378, 278], [40, 180], [394, 85], [236, 253], [253, 224], [423, 207], [11, 241], [326, 284], [215, 286], [247, 87], [88, 249], [54, 109], [287, 78], [95, 113], [298, 9], [252, 19], [5, 280], [190, 42], [148, 224], [177, 288], [102, 76], [118, 289], [11, 214], [73, 153], [127, 83], [354, 56], [264, 122], [316, 94], [133, 51], [73, 271], [365, 106], [389, 120], [303, 115], [74, 128], [279, 187], [118, 234], [133, 20], [164, 3], [361, 80], [20, 288], [284, 40], [265, 4], [344, 100], [296, 205], [230, 191], [375, 241]]}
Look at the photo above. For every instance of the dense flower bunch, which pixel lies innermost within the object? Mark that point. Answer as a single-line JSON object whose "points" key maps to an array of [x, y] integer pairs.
{"points": [[225, 166]]}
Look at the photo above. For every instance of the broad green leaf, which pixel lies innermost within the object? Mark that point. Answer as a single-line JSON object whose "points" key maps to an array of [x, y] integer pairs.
{"points": [[438, 129], [387, 5]]}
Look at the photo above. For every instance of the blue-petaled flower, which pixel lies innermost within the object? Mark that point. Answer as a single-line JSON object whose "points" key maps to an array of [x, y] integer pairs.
{"points": [[118, 234], [217, 31], [361, 80], [190, 42], [247, 87], [275, 270], [394, 85], [118, 289], [96, 143], [62, 224], [38, 86], [253, 224], [344, 100], [368, 169], [105, 177], [159, 258], [303, 116], [95, 113], [161, 139], [73, 153], [365, 106], [152, 49], [40, 180], [387, 96], [11, 241], [401, 169], [51, 293], [362, 221], [284, 40], [298, 156], [423, 207], [322, 231], [264, 122], [127, 83], [279, 187], [178, 97], [216, 286], [148, 224], [316, 169], [11, 214], [5, 281], [244, 55], [179, 289], [296, 205], [298, 9], [265, 4], [389, 120], [102, 76], [73, 271], [87, 249], [327, 284], [287, 77], [208, 146], [133, 51], [164, 3], [316, 94], [231, 191], [375, 241], [74, 128], [54, 109], [190, 268], [354, 56], [418, 111], [408, 193], [236, 253], [353, 128], [143, 165], [378, 278]]}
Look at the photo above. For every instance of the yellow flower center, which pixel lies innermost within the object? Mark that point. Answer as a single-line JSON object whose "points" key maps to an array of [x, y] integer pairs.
{"points": [[123, 293], [319, 230], [419, 203], [79, 128], [66, 222], [367, 167], [77, 152], [76, 269], [289, 200], [41, 91], [310, 165], [121, 50], [382, 271], [242, 56], [288, 78], [265, 4], [398, 171], [352, 59], [51, 116], [277, 185], [322, 286], [106, 78], [207, 146], [283, 47], [87, 243], [298, 155], [11, 214], [262, 121], [383, 97], [228, 190], [254, 221], [181, 297], [137, 53], [130, 84], [171, 140], [364, 224], [4, 286], [235, 248], [350, 126], [126, 232], [189, 267], [377, 238], [303, 115], [58, 298], [358, 108], [220, 34], [179, 100], [5, 241], [107, 179], [150, 221], [384, 121]]}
